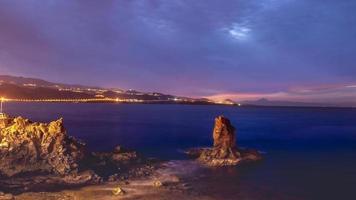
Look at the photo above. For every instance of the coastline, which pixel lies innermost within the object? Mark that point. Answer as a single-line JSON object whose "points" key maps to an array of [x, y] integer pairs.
{"points": [[184, 103], [113, 101], [318, 135], [40, 161]]}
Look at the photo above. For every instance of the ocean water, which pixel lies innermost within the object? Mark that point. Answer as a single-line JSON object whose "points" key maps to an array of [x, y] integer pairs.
{"points": [[309, 153]]}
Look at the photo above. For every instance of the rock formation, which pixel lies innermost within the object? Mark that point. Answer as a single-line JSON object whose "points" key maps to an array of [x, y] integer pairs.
{"points": [[27, 147], [116, 163], [5, 120], [224, 139], [43, 155], [225, 151]]}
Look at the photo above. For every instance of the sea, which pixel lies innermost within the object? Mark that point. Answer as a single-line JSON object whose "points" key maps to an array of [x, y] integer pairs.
{"points": [[309, 153]]}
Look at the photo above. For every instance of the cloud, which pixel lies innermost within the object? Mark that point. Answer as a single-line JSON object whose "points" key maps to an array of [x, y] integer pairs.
{"points": [[328, 94], [239, 32], [196, 48]]}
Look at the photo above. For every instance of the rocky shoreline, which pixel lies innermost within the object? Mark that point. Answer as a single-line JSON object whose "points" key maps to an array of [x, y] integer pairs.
{"points": [[42, 159]]}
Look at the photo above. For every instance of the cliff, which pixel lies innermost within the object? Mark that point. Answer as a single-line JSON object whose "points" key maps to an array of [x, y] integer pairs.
{"points": [[42, 156], [27, 147]]}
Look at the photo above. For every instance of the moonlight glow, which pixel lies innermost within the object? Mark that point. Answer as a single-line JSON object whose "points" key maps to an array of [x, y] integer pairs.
{"points": [[239, 32]]}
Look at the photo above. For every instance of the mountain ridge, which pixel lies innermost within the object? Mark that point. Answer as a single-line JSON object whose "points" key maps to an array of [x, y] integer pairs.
{"points": [[18, 87]]}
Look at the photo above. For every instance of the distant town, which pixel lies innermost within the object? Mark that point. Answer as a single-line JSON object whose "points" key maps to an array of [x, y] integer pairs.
{"points": [[20, 89]]}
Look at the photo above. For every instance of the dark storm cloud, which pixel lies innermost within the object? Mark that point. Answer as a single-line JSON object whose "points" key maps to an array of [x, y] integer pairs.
{"points": [[186, 47]]}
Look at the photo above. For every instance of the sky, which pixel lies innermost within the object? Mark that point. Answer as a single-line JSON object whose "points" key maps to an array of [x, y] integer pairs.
{"points": [[295, 50]]}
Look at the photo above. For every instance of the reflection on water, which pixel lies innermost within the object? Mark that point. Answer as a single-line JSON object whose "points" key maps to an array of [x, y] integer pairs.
{"points": [[310, 152]]}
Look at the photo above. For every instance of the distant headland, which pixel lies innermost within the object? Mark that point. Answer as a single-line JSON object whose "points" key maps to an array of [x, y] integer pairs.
{"points": [[21, 89]]}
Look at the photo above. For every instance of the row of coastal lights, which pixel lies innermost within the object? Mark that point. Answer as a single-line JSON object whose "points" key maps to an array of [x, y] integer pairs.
{"points": [[227, 103], [3, 99]]}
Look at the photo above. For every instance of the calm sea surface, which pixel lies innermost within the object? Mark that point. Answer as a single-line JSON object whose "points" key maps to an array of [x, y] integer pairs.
{"points": [[310, 153]]}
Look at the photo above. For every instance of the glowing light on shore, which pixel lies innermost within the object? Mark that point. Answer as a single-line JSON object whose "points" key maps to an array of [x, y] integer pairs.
{"points": [[2, 101], [111, 100]]}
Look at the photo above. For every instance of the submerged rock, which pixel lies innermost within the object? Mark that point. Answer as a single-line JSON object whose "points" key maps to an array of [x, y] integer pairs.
{"points": [[118, 164], [225, 151], [27, 147]]}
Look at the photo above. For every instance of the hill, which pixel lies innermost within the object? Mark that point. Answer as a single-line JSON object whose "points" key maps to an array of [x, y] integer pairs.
{"points": [[27, 89]]}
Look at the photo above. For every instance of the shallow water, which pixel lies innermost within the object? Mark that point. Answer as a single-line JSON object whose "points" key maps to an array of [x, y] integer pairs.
{"points": [[310, 152]]}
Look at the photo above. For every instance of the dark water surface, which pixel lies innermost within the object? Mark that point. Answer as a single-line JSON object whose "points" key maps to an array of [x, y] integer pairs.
{"points": [[310, 152]]}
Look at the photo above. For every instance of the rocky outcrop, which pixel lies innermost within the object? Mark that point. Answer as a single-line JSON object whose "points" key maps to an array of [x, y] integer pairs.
{"points": [[5, 120], [224, 139], [27, 147], [39, 155], [225, 151], [117, 164]]}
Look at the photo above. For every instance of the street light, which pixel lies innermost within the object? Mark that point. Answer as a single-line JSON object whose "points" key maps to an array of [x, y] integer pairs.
{"points": [[2, 100]]}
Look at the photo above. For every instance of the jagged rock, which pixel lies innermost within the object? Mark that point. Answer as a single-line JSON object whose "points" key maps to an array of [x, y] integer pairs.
{"points": [[115, 165], [4, 120], [82, 178], [225, 151], [27, 147], [41, 157], [121, 155], [224, 139]]}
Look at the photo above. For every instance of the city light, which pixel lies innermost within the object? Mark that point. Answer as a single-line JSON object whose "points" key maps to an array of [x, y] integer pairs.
{"points": [[108, 100]]}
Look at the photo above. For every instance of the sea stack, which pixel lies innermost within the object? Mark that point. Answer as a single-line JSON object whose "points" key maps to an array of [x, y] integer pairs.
{"points": [[225, 151], [224, 136]]}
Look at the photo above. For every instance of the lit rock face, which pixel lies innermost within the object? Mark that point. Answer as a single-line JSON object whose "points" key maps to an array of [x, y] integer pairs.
{"points": [[39, 155], [5, 120], [224, 151], [27, 147], [224, 137]]}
